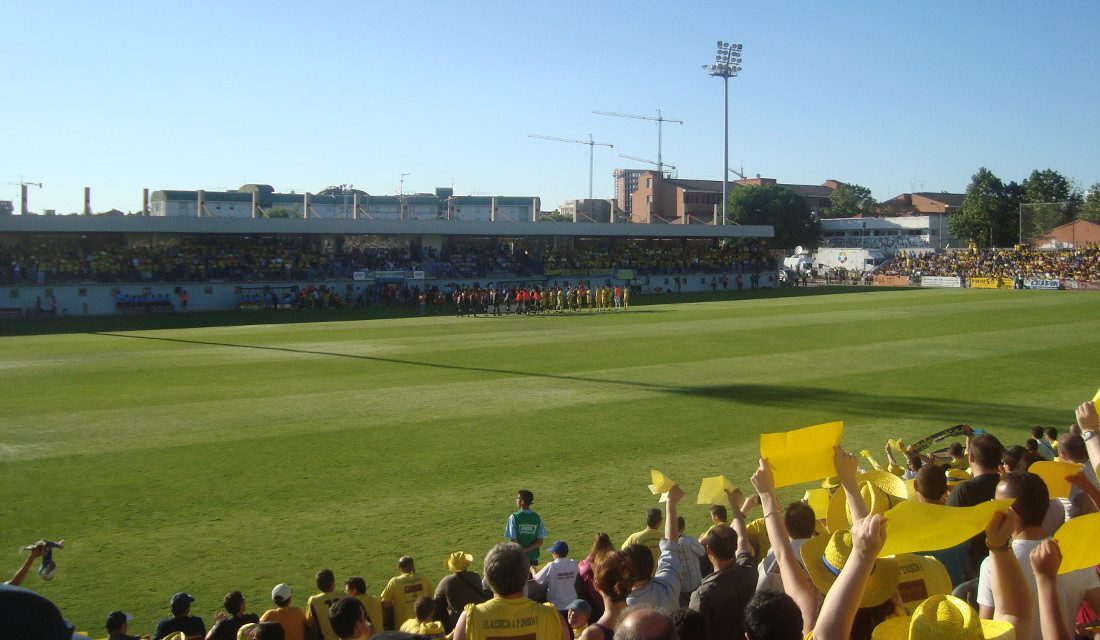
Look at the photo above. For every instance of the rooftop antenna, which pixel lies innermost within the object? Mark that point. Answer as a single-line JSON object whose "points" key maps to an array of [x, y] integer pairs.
{"points": [[401, 185]]}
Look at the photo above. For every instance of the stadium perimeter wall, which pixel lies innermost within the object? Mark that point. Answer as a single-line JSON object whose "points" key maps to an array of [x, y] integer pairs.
{"points": [[93, 299]]}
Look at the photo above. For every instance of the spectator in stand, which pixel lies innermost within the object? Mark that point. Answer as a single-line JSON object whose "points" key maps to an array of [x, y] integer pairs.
{"points": [[560, 577], [1041, 443], [348, 619], [181, 619], [614, 580], [356, 587], [651, 536], [1050, 436], [423, 624], [317, 619], [226, 628], [984, 458], [118, 626], [508, 614], [660, 589], [291, 619], [800, 522], [578, 614], [403, 589], [691, 553], [458, 589], [722, 595], [267, 631], [1030, 506], [1072, 448], [601, 544], [24, 615], [644, 623]]}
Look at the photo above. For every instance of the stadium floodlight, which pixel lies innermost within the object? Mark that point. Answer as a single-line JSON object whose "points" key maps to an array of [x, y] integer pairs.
{"points": [[727, 64]]}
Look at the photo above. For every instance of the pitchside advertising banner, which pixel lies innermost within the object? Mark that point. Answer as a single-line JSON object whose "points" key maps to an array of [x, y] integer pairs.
{"points": [[1037, 283], [1083, 285], [991, 283], [940, 281], [891, 281]]}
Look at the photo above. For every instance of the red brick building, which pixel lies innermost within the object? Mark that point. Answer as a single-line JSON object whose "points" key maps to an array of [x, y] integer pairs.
{"points": [[666, 200]]}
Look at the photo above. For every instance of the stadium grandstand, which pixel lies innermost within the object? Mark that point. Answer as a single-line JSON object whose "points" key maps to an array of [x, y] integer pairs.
{"points": [[222, 250]]}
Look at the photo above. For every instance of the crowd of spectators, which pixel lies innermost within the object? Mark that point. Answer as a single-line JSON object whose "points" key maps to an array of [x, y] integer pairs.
{"points": [[813, 567], [67, 259], [1026, 262], [663, 257]]}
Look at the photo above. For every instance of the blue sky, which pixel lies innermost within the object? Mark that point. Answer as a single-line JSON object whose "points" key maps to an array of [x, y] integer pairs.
{"points": [[894, 96]]}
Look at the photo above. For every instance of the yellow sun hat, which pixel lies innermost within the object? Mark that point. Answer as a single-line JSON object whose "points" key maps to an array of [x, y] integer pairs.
{"points": [[458, 561], [838, 517], [825, 557], [943, 618]]}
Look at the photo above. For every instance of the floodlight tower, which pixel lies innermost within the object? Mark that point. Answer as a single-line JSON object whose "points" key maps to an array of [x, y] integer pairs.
{"points": [[727, 64]]}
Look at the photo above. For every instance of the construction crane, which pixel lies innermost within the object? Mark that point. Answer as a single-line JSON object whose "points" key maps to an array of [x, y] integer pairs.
{"points": [[660, 120], [591, 146], [673, 167], [23, 184], [740, 174]]}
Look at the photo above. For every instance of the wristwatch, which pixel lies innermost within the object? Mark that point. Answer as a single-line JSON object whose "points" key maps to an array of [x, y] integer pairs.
{"points": [[1088, 435]]}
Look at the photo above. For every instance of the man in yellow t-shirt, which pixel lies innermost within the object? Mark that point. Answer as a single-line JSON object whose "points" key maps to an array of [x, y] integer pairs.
{"points": [[356, 587], [650, 537], [292, 619], [402, 591], [509, 614], [318, 605]]}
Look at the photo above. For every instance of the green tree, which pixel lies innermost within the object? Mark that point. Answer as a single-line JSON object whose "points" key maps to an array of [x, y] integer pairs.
{"points": [[780, 207], [555, 216], [281, 212], [989, 215], [1049, 186], [1090, 209], [850, 200]]}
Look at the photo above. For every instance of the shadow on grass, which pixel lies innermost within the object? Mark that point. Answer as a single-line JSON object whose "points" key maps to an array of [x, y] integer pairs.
{"points": [[199, 319], [832, 402]]}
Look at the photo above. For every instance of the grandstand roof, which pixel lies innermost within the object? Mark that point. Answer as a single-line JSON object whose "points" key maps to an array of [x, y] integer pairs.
{"points": [[344, 226]]}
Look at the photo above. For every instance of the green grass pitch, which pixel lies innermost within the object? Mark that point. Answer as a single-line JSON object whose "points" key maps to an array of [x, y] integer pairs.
{"points": [[237, 457]]}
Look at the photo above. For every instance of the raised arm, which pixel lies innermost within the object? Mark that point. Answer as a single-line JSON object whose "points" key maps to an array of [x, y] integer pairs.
{"points": [[847, 466], [36, 551], [1045, 560], [796, 583], [737, 522], [1088, 420], [1011, 595], [841, 603]]}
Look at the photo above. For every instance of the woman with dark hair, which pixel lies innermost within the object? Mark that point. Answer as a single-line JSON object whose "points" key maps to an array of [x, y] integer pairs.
{"points": [[614, 580], [586, 570]]}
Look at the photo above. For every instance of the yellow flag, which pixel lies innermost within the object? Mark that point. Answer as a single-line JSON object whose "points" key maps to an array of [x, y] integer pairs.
{"points": [[818, 499], [895, 444], [918, 526], [1096, 400], [1077, 541], [1053, 473], [801, 455], [660, 482], [713, 490]]}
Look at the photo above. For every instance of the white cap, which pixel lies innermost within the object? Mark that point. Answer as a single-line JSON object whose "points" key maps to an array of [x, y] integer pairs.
{"points": [[281, 592]]}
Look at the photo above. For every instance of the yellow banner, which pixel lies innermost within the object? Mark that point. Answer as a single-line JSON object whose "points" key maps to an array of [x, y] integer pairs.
{"points": [[990, 283]]}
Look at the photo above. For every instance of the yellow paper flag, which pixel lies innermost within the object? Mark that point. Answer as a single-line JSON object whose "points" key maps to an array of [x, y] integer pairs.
{"points": [[818, 499], [1096, 400], [660, 482], [914, 526], [801, 455], [1053, 473], [713, 490], [1077, 541], [895, 444]]}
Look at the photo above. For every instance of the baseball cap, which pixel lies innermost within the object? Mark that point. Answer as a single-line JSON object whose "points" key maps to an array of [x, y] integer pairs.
{"points": [[559, 547], [281, 592], [116, 619], [580, 605], [33, 615], [181, 598]]}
